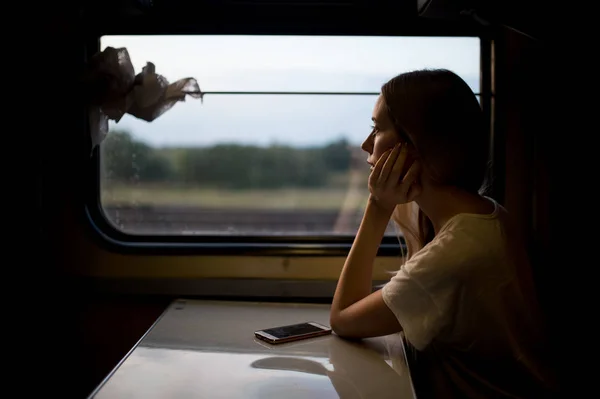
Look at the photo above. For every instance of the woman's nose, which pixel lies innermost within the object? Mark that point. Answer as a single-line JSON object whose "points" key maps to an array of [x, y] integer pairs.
{"points": [[367, 146]]}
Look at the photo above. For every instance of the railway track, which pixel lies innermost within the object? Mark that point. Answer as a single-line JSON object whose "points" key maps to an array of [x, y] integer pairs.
{"points": [[194, 220]]}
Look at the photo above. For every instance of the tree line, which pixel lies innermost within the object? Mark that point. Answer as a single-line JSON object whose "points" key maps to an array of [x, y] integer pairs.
{"points": [[127, 160]]}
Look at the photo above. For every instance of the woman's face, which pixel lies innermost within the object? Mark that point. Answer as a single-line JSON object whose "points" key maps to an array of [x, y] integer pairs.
{"points": [[382, 137]]}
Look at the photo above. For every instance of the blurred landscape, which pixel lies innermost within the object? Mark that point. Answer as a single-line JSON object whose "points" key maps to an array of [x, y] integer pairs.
{"points": [[233, 189]]}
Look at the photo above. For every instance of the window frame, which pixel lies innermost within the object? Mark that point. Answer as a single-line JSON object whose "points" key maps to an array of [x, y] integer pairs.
{"points": [[108, 237]]}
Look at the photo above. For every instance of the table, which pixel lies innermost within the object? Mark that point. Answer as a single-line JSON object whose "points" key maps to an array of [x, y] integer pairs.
{"points": [[207, 349]]}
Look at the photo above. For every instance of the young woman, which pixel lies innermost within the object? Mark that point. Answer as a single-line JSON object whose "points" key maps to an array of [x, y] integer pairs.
{"points": [[464, 296]]}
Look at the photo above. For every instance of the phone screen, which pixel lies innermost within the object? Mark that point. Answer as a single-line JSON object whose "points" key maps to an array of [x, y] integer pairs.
{"points": [[292, 330]]}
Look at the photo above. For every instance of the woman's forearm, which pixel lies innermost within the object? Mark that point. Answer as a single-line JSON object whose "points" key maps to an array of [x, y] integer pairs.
{"points": [[355, 281]]}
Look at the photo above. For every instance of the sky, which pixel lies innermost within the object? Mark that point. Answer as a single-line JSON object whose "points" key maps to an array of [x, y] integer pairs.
{"points": [[282, 63]]}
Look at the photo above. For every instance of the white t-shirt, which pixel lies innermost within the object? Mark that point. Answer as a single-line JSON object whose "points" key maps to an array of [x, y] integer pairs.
{"points": [[466, 305]]}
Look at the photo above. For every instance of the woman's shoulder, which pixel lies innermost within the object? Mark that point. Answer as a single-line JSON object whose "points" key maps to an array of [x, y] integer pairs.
{"points": [[493, 215], [468, 240], [476, 231]]}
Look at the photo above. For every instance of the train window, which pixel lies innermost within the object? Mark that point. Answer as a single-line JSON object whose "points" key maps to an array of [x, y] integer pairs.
{"points": [[274, 147]]}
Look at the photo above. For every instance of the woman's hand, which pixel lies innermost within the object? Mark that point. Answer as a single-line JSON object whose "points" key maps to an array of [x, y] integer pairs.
{"points": [[386, 184]]}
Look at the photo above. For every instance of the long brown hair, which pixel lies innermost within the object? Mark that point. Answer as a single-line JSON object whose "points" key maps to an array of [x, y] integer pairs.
{"points": [[438, 115]]}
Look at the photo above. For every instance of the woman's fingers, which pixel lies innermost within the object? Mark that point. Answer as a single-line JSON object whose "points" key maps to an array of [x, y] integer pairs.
{"points": [[385, 180], [387, 167], [395, 173], [374, 177]]}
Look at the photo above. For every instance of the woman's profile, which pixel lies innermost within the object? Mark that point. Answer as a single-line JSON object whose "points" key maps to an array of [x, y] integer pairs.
{"points": [[464, 297]]}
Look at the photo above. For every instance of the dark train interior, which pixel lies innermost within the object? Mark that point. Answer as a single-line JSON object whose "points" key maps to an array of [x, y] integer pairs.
{"points": [[108, 256]]}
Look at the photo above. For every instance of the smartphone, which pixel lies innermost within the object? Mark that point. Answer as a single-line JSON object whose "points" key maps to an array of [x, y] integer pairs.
{"points": [[292, 332]]}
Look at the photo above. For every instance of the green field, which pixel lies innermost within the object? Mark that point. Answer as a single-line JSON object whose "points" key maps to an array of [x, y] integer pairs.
{"points": [[323, 199]]}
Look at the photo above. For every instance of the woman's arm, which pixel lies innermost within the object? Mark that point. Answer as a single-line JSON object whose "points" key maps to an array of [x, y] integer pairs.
{"points": [[355, 311]]}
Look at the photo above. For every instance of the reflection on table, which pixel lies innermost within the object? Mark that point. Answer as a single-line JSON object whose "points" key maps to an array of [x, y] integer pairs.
{"points": [[194, 351]]}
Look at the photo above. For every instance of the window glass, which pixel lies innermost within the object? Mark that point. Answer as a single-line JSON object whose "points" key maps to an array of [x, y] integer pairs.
{"points": [[274, 147]]}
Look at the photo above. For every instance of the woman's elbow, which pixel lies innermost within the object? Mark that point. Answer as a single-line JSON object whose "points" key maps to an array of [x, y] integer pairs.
{"points": [[334, 323], [340, 328], [347, 327]]}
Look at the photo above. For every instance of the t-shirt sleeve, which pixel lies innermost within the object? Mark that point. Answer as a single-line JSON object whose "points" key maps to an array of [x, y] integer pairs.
{"points": [[422, 295]]}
